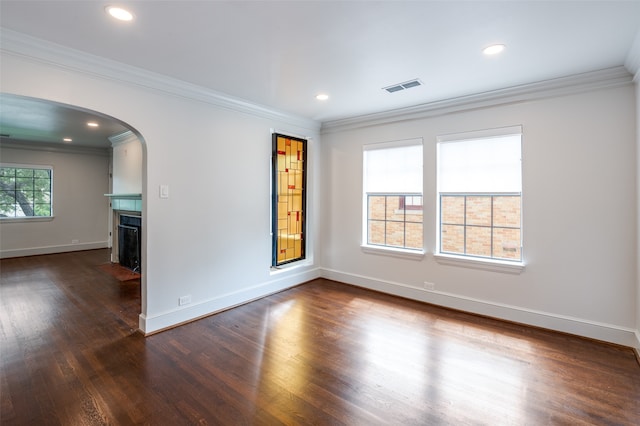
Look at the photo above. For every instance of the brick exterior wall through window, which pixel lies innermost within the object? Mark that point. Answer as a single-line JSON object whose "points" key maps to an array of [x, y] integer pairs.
{"points": [[396, 221], [481, 225]]}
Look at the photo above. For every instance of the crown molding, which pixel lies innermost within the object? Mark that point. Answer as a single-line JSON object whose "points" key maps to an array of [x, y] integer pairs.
{"points": [[610, 77], [25, 46], [122, 138], [632, 63], [53, 147]]}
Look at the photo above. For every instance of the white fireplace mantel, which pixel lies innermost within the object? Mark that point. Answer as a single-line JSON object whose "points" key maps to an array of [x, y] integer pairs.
{"points": [[128, 202]]}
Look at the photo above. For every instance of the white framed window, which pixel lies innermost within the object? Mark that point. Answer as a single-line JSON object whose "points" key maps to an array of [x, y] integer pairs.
{"points": [[479, 180], [392, 196], [25, 191]]}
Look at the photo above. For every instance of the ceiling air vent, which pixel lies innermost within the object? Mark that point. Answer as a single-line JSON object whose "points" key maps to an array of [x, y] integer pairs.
{"points": [[401, 86]]}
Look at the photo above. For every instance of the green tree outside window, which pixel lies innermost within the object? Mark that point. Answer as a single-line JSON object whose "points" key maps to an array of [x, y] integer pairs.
{"points": [[25, 192]]}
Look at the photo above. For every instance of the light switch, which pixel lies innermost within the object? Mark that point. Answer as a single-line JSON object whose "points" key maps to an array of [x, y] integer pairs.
{"points": [[164, 191]]}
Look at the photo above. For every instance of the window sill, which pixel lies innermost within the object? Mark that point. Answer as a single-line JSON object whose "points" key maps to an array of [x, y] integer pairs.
{"points": [[479, 263], [26, 219], [274, 270], [395, 252]]}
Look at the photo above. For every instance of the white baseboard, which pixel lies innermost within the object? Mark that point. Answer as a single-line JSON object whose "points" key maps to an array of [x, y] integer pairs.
{"points": [[35, 251], [581, 327], [184, 314]]}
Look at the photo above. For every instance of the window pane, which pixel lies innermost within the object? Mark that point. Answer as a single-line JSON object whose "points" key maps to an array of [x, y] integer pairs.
{"points": [[7, 197], [452, 209], [506, 211], [414, 235], [7, 183], [42, 210], [24, 173], [452, 239], [376, 207], [376, 232], [42, 197], [414, 216], [478, 241], [27, 196], [506, 243], [41, 184], [7, 210], [296, 200], [478, 211], [7, 172], [393, 209], [395, 234], [24, 183], [42, 173]]}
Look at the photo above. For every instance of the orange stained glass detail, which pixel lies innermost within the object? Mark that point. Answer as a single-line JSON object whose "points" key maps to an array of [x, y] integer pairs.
{"points": [[289, 183]]}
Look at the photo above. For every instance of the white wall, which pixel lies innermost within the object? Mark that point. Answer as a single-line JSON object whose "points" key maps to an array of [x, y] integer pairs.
{"points": [[127, 166], [211, 238], [579, 216], [80, 209]]}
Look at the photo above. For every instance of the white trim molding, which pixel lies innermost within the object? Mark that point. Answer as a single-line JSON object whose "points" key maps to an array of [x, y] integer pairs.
{"points": [[9, 143], [565, 324], [22, 45], [394, 252], [122, 138], [151, 324], [632, 61], [610, 77], [34, 251], [480, 263]]}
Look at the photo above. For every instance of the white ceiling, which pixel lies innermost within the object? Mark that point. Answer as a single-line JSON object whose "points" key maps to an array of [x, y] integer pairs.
{"points": [[33, 120], [281, 54]]}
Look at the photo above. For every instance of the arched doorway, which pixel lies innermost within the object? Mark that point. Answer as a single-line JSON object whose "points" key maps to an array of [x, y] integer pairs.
{"points": [[96, 164]]}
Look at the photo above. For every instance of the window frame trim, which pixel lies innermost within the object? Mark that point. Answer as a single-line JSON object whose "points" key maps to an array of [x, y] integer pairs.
{"points": [[47, 218], [403, 253], [482, 263], [275, 265], [478, 262], [380, 249]]}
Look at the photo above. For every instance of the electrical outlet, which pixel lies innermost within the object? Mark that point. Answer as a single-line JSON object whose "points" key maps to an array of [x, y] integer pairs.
{"points": [[429, 286], [184, 300], [75, 241]]}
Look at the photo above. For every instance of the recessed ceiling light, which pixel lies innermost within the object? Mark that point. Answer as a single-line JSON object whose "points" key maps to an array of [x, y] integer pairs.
{"points": [[494, 49], [92, 124], [322, 97], [67, 140], [119, 13]]}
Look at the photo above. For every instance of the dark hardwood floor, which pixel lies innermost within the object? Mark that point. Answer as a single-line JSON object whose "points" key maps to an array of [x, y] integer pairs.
{"points": [[322, 353]]}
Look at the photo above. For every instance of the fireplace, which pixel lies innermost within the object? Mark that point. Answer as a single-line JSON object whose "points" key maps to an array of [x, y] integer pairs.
{"points": [[129, 241]]}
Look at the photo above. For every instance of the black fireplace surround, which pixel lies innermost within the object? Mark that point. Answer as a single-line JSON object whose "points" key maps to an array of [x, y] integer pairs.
{"points": [[129, 242]]}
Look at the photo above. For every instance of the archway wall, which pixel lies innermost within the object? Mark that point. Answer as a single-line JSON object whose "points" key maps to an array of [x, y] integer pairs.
{"points": [[210, 240]]}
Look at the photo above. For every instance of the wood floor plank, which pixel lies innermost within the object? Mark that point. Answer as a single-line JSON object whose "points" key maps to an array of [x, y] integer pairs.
{"points": [[322, 353]]}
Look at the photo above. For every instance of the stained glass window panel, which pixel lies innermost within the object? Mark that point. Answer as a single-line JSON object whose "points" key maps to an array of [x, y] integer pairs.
{"points": [[289, 158]]}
